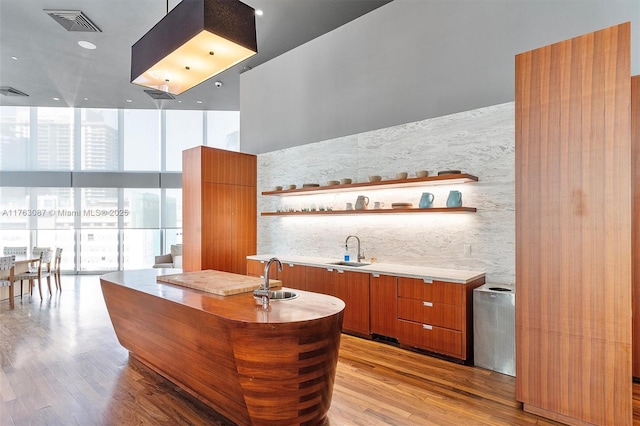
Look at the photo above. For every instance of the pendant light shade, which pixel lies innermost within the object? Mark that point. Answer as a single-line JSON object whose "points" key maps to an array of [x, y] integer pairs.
{"points": [[195, 41]]}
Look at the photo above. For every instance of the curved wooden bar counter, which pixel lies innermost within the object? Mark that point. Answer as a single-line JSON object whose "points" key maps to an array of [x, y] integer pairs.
{"points": [[256, 367]]}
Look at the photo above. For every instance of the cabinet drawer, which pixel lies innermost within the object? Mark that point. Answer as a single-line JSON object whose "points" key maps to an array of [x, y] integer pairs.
{"points": [[431, 338], [436, 291], [440, 314]]}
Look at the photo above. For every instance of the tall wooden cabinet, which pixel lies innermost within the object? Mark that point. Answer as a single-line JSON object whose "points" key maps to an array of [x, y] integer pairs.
{"points": [[573, 229], [219, 210], [635, 234]]}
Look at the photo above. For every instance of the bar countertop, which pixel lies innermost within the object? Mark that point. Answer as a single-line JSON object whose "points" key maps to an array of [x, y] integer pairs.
{"points": [[241, 307]]}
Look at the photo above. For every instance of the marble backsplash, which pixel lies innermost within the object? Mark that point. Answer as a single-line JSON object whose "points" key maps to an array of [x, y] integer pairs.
{"points": [[480, 142]]}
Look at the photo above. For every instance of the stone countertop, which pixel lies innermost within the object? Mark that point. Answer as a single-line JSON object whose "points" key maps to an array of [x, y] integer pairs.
{"points": [[409, 271]]}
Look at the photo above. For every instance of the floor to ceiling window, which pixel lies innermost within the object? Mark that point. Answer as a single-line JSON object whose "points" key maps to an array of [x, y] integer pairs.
{"points": [[102, 184]]}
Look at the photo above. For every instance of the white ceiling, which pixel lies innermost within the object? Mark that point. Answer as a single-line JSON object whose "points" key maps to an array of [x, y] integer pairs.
{"points": [[50, 63]]}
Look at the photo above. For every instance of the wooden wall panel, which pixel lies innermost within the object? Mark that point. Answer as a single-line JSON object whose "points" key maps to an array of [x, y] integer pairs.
{"points": [[573, 229], [635, 234]]}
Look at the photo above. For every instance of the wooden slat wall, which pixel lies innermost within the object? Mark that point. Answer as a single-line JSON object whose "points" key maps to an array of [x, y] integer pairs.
{"points": [[573, 229], [635, 235], [219, 209]]}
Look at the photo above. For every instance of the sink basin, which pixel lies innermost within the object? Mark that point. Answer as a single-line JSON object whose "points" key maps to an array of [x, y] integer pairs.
{"points": [[282, 295], [355, 264]]}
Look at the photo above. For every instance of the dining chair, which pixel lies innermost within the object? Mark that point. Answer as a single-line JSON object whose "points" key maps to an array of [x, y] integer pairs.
{"points": [[55, 270], [17, 251], [35, 252], [43, 270], [6, 264]]}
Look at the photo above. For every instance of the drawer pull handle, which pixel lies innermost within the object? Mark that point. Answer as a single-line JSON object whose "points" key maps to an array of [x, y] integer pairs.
{"points": [[427, 280], [427, 327], [291, 265], [340, 271], [376, 275], [427, 304], [329, 269]]}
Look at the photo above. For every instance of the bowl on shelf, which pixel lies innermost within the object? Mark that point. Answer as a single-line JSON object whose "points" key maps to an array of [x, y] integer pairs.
{"points": [[448, 172], [333, 182], [345, 181], [401, 205], [310, 185], [291, 187], [422, 173], [375, 178], [402, 175], [278, 188]]}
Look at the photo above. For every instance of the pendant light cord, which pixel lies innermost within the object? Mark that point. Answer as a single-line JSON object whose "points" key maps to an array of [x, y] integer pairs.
{"points": [[167, 7]]}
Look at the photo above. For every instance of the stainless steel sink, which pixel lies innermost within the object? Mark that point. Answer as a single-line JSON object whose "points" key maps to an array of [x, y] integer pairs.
{"points": [[355, 264], [282, 295]]}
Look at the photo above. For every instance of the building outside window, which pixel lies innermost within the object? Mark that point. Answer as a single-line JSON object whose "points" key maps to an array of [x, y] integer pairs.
{"points": [[115, 219]]}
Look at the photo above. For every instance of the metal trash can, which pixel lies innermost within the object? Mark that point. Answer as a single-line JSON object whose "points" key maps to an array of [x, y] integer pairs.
{"points": [[494, 328]]}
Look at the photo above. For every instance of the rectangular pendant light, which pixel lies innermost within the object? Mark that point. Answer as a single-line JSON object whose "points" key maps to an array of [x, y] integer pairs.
{"points": [[193, 42]]}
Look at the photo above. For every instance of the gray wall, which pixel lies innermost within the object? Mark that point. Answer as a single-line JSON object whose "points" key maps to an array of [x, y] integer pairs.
{"points": [[407, 61]]}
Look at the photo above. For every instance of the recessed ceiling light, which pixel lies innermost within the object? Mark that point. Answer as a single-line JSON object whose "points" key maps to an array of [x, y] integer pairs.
{"points": [[86, 99], [56, 99], [199, 102], [259, 12], [86, 44], [15, 58], [129, 100]]}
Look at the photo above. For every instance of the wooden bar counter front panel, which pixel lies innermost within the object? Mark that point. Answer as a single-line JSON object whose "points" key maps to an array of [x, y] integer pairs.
{"points": [[254, 366], [573, 229]]}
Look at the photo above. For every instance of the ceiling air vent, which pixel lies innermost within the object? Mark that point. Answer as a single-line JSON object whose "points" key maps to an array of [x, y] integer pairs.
{"points": [[73, 20], [159, 94], [10, 91]]}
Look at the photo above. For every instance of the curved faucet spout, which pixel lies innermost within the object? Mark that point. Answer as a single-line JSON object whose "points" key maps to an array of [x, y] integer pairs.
{"points": [[346, 247], [264, 291], [267, 267]]}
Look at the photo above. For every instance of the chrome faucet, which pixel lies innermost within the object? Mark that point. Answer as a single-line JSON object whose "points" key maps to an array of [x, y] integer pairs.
{"points": [[263, 291], [346, 247]]}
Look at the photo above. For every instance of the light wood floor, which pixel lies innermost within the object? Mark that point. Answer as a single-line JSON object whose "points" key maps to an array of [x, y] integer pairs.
{"points": [[61, 364]]}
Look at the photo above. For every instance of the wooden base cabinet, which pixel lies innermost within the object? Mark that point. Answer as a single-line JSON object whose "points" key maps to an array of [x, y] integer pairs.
{"points": [[353, 289], [321, 280], [431, 338], [293, 276], [436, 316], [383, 305], [255, 268]]}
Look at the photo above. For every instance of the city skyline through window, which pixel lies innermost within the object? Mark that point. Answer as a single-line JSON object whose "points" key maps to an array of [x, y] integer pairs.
{"points": [[89, 190]]}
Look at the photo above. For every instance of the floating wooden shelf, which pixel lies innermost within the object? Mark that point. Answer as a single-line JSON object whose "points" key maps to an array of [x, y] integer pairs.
{"points": [[375, 211], [384, 184]]}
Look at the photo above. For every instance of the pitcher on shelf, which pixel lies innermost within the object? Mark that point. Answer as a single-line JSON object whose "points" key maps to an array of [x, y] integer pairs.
{"points": [[362, 202], [454, 199]]}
